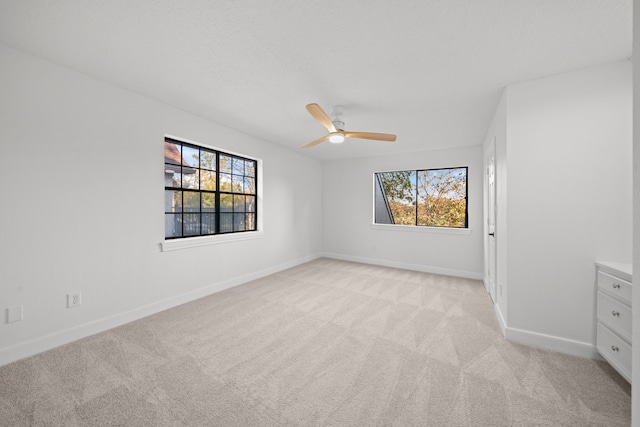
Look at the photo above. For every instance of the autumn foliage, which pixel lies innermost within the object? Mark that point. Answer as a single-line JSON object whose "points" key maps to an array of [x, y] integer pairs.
{"points": [[433, 197]]}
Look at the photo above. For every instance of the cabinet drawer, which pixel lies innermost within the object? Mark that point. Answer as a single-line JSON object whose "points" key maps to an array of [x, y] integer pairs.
{"points": [[615, 350], [615, 286], [615, 314]]}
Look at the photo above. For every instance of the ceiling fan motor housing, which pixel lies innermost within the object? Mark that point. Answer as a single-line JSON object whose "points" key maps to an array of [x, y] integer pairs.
{"points": [[336, 112]]}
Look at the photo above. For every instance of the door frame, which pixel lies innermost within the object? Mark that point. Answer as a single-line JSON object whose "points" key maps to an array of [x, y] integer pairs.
{"points": [[491, 222]]}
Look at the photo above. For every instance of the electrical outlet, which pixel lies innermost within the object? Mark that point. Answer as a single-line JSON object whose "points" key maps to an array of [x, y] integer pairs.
{"points": [[74, 299]]}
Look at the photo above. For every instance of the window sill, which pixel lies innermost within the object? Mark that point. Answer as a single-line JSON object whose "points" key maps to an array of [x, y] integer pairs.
{"points": [[421, 229], [194, 242]]}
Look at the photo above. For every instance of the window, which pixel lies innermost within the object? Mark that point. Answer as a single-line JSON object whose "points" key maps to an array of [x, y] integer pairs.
{"points": [[429, 197], [207, 191]]}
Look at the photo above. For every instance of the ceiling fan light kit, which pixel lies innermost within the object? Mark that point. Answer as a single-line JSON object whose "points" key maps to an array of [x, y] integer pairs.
{"points": [[336, 137], [337, 134]]}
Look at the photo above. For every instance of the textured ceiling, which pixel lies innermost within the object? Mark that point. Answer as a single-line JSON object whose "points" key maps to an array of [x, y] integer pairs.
{"points": [[430, 71]]}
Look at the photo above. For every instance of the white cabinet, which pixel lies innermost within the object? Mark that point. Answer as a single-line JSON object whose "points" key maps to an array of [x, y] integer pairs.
{"points": [[613, 337]]}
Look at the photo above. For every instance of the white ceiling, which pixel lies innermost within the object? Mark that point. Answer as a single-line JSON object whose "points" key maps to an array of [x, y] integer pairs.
{"points": [[430, 71]]}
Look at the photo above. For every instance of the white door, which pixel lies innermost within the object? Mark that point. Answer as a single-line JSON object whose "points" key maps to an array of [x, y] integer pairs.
{"points": [[491, 221]]}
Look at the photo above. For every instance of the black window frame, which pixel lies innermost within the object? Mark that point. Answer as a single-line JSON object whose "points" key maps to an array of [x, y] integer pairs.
{"points": [[386, 207], [249, 198]]}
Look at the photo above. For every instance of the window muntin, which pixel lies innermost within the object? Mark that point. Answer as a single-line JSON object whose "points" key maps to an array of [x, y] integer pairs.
{"points": [[207, 191], [426, 197]]}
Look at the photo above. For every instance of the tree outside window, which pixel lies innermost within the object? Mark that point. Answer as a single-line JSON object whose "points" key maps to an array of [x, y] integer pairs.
{"points": [[428, 197]]}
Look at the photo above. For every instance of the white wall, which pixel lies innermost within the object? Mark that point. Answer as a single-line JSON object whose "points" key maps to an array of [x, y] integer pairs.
{"points": [[348, 216], [81, 185], [568, 156], [635, 413]]}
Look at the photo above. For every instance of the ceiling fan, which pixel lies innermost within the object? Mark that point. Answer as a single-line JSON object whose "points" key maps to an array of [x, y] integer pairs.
{"points": [[337, 134]]}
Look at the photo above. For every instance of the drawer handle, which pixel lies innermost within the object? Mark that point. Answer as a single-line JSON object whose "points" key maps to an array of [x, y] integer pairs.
{"points": [[615, 313], [614, 348], [616, 286]]}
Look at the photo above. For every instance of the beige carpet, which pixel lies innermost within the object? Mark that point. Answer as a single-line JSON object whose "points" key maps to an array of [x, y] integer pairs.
{"points": [[327, 343]]}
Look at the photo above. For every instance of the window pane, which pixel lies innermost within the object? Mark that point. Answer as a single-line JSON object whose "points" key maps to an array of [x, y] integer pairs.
{"points": [[191, 201], [239, 223], [251, 221], [237, 184], [208, 223], [172, 201], [172, 178], [226, 222], [249, 185], [208, 202], [238, 203], [173, 225], [442, 197], [191, 226], [207, 180], [225, 182], [250, 168], [207, 160], [399, 188], [190, 178], [251, 203], [238, 166], [225, 163], [172, 153], [191, 156], [226, 203]]}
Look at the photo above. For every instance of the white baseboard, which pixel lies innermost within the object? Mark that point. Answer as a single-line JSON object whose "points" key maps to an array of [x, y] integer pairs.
{"points": [[553, 343], [56, 339], [500, 317], [407, 266]]}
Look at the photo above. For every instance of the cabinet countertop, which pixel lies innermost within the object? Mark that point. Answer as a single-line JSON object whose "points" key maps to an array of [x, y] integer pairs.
{"points": [[618, 268]]}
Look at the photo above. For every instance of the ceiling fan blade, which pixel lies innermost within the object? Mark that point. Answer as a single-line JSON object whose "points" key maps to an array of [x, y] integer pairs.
{"points": [[316, 142], [318, 113], [371, 135]]}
